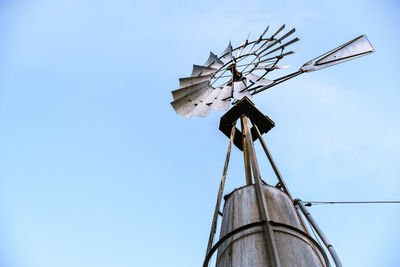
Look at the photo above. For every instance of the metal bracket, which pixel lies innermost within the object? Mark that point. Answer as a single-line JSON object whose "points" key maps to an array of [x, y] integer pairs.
{"points": [[244, 107]]}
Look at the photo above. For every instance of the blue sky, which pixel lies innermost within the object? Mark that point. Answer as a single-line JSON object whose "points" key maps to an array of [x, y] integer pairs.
{"points": [[96, 169]]}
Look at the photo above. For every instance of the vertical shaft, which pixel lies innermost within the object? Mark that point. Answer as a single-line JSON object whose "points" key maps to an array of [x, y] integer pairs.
{"points": [[220, 191], [271, 248], [247, 167]]}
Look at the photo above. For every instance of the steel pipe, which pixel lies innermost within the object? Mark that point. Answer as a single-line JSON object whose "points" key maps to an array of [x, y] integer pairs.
{"points": [[272, 162], [324, 239]]}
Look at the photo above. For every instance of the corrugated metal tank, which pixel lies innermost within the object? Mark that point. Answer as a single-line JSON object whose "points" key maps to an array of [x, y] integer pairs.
{"points": [[247, 248]]}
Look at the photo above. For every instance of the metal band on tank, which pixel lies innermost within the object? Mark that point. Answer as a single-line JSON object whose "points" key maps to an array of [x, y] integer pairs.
{"points": [[261, 223]]}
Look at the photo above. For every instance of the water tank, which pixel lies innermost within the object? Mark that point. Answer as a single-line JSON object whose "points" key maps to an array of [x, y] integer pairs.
{"points": [[247, 248]]}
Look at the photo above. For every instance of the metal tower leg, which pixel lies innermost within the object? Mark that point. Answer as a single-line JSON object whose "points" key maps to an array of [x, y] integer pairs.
{"points": [[271, 248], [247, 167], [220, 192], [272, 162]]}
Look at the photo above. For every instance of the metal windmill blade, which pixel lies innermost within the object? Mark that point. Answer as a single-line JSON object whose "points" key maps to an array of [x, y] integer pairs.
{"points": [[241, 71], [232, 75]]}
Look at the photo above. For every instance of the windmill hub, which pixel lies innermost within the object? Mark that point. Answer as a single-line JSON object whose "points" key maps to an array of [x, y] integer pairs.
{"points": [[236, 75]]}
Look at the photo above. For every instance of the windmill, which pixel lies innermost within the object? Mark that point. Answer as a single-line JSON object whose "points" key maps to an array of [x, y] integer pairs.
{"points": [[261, 223]]}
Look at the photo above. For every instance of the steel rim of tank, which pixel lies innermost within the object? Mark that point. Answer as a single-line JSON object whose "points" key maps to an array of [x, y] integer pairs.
{"points": [[260, 223]]}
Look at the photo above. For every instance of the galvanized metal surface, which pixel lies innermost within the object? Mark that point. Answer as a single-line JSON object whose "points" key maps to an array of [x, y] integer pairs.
{"points": [[257, 79], [223, 72], [246, 248], [203, 107], [236, 80], [186, 91], [357, 47], [223, 99], [269, 237], [213, 61], [185, 105], [202, 70], [227, 54], [238, 92], [188, 81]]}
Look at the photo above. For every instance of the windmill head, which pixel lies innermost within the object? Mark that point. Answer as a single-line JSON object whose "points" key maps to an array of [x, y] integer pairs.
{"points": [[240, 72]]}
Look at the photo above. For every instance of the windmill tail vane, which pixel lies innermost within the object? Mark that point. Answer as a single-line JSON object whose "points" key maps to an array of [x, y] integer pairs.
{"points": [[240, 72]]}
